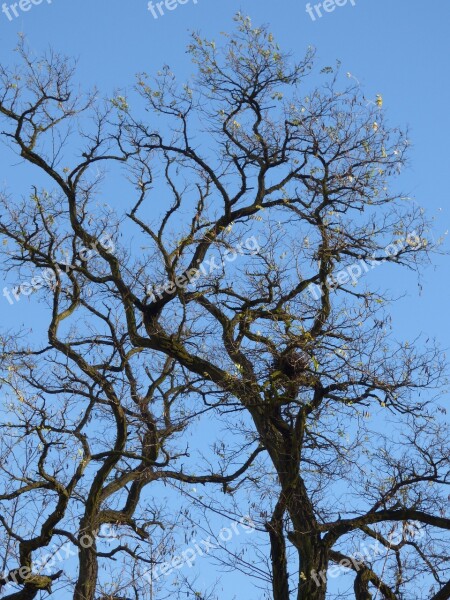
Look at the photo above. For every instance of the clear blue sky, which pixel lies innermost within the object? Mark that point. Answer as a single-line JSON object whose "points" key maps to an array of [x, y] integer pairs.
{"points": [[398, 48]]}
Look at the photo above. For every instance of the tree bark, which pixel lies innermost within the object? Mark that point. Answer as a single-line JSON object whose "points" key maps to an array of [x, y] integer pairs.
{"points": [[88, 565], [361, 586], [443, 594], [280, 575], [285, 451], [313, 558]]}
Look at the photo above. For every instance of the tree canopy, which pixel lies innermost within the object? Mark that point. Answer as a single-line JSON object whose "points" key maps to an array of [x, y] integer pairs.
{"points": [[226, 286]]}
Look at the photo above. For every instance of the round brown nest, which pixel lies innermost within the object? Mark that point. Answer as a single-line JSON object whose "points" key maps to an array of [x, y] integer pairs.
{"points": [[292, 363]]}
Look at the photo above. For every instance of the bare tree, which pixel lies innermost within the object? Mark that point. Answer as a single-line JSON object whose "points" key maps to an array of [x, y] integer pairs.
{"points": [[255, 206], [90, 420]]}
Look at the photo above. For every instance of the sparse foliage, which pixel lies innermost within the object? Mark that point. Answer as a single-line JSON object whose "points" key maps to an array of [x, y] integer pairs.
{"points": [[333, 430]]}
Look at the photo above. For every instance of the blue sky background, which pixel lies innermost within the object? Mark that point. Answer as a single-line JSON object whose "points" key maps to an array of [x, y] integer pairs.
{"points": [[398, 48]]}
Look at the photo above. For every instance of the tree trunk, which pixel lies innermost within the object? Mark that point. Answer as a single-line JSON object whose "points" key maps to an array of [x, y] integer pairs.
{"points": [[280, 575], [313, 561], [284, 449], [88, 569]]}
